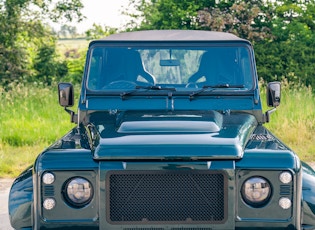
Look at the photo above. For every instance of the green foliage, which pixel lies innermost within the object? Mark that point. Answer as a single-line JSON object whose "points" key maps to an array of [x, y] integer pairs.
{"points": [[13, 64], [290, 54], [248, 19], [172, 14], [73, 51], [12, 54], [98, 31], [60, 10], [166, 14], [75, 67], [294, 20], [23, 35], [285, 59], [48, 68]]}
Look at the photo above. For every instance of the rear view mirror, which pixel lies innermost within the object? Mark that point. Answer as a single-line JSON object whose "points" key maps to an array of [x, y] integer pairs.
{"points": [[273, 94], [66, 95], [169, 62]]}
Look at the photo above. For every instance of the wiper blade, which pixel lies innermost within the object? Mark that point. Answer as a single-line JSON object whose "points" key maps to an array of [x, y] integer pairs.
{"points": [[213, 87], [220, 86], [155, 87], [147, 88]]}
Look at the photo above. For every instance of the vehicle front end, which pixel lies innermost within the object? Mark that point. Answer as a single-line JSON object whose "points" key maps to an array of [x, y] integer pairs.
{"points": [[170, 136]]}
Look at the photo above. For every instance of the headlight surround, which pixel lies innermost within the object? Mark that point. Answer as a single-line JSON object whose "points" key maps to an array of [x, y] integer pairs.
{"points": [[256, 191], [78, 191]]}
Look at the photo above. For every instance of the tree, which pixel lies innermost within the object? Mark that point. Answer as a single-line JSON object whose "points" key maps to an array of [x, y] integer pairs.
{"points": [[46, 64], [170, 14], [11, 55], [248, 19], [23, 32], [67, 30], [98, 31], [290, 53], [294, 20]]}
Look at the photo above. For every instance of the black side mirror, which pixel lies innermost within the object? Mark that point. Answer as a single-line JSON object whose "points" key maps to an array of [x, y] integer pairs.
{"points": [[66, 94], [273, 94]]}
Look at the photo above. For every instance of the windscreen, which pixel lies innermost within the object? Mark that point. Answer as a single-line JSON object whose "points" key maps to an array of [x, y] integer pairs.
{"points": [[183, 68]]}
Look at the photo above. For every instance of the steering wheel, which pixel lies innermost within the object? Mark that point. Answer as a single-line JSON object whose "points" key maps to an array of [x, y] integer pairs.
{"points": [[191, 85], [121, 84]]}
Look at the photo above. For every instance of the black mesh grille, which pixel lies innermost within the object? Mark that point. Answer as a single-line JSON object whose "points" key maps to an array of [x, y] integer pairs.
{"points": [[184, 196]]}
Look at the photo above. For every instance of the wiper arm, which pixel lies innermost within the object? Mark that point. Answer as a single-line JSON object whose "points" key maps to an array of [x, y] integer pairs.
{"points": [[148, 88], [213, 87]]}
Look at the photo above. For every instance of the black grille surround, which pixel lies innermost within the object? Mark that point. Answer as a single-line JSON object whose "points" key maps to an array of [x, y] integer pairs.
{"points": [[166, 197]]}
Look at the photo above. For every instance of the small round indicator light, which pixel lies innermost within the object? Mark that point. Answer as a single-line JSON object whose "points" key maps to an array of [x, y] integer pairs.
{"points": [[285, 203], [49, 203], [285, 177], [48, 178]]}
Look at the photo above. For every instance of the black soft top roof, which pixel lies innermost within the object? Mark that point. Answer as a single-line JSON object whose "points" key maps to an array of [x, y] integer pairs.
{"points": [[170, 35]]}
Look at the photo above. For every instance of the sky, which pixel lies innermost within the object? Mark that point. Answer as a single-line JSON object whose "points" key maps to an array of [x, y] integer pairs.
{"points": [[102, 12]]}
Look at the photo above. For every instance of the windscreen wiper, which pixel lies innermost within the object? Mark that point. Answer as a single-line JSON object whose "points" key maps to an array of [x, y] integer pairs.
{"points": [[146, 88], [213, 87], [155, 87]]}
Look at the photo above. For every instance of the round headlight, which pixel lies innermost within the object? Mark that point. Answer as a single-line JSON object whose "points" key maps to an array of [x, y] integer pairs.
{"points": [[78, 191], [256, 191]]}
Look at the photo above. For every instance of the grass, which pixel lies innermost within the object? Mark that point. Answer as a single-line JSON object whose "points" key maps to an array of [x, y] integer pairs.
{"points": [[31, 115], [294, 120], [15, 159], [31, 119]]}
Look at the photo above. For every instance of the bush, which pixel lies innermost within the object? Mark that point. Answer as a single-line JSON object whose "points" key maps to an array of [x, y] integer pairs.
{"points": [[48, 68]]}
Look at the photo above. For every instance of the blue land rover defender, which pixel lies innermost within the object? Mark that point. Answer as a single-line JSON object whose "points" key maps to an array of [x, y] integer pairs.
{"points": [[169, 135]]}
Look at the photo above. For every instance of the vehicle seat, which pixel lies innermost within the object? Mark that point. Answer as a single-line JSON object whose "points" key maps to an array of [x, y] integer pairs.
{"points": [[216, 67], [206, 70], [127, 66]]}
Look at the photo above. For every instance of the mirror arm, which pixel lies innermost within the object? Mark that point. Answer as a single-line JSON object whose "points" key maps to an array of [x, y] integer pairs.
{"points": [[268, 113], [73, 116]]}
